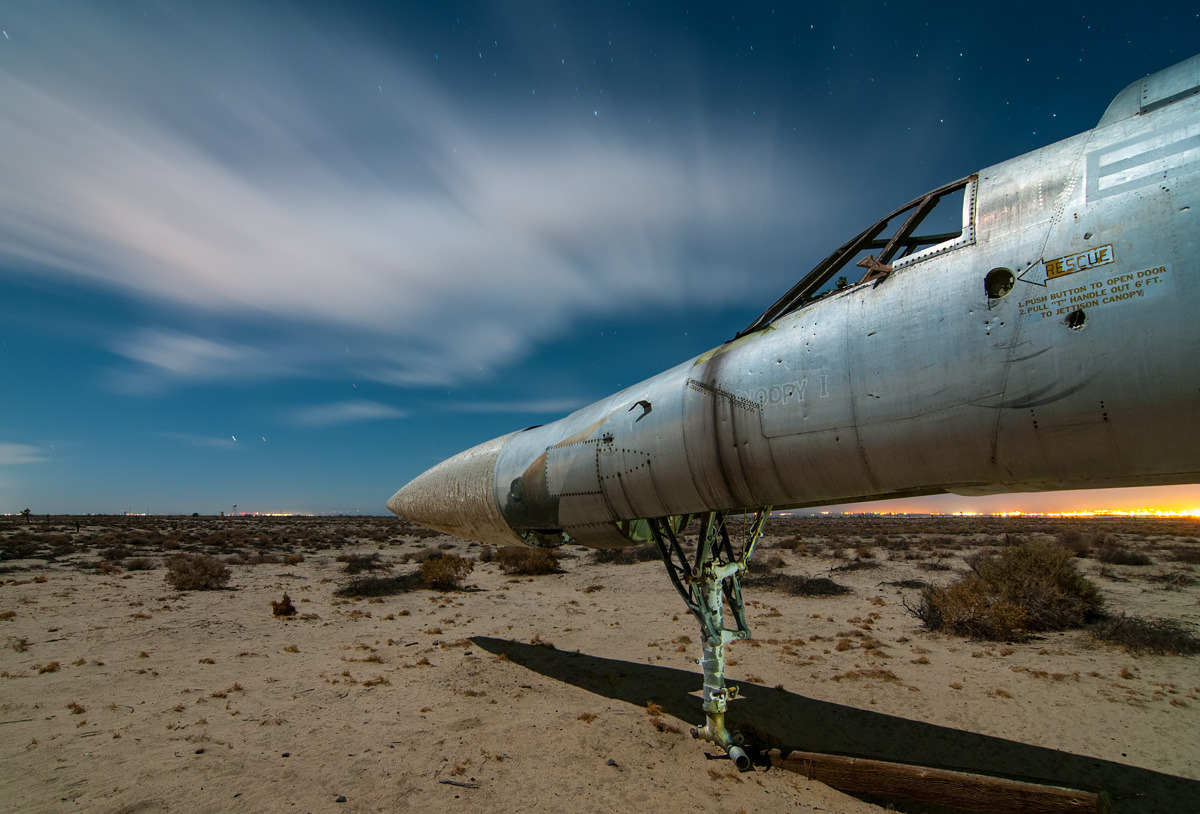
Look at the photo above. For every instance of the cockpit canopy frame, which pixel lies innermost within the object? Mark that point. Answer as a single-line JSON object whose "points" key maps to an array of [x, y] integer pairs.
{"points": [[897, 249]]}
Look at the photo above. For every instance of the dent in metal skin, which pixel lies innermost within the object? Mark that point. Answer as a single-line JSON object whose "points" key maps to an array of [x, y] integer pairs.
{"points": [[456, 497]]}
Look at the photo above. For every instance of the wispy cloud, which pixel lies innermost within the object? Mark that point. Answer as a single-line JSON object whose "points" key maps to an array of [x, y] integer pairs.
{"points": [[193, 160], [211, 441], [534, 406], [15, 454], [324, 415], [183, 355]]}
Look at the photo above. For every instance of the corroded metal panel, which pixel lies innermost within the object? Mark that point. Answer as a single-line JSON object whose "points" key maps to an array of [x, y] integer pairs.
{"points": [[712, 417], [456, 496], [571, 469]]}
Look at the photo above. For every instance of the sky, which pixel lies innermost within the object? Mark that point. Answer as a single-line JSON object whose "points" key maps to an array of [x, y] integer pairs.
{"points": [[289, 255]]}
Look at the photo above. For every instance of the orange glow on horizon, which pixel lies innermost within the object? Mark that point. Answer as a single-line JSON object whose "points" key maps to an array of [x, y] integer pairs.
{"points": [[1143, 501]]}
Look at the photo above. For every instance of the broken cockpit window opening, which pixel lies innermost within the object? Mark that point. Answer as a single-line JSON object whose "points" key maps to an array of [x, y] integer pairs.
{"points": [[935, 223]]}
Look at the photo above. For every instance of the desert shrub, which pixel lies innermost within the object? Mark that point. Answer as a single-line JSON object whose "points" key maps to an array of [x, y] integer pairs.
{"points": [[422, 555], [358, 563], [283, 607], [1073, 540], [857, 565], [1023, 589], [1190, 556], [487, 554], [115, 554], [380, 586], [294, 559], [1174, 580], [199, 573], [1164, 637], [528, 561], [796, 585], [445, 573], [626, 556], [1114, 554], [139, 564], [907, 583], [18, 549], [792, 543], [768, 563]]}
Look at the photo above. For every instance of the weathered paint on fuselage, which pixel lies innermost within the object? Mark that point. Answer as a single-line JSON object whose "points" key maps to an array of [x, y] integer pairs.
{"points": [[1084, 374]]}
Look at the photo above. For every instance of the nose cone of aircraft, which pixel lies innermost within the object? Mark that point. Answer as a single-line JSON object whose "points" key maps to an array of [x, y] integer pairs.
{"points": [[457, 497]]}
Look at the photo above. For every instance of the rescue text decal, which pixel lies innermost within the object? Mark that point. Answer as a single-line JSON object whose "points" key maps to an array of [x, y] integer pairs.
{"points": [[1071, 263]]}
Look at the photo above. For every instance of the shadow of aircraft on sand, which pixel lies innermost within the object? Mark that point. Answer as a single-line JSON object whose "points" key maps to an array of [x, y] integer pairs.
{"points": [[785, 720]]}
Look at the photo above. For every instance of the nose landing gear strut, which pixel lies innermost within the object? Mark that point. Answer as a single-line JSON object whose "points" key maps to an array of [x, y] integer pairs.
{"points": [[711, 580]]}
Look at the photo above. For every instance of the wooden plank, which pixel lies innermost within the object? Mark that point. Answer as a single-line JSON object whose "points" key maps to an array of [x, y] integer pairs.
{"points": [[956, 790]]}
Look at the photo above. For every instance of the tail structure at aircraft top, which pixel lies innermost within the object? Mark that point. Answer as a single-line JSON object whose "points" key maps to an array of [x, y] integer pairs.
{"points": [[1029, 327]]}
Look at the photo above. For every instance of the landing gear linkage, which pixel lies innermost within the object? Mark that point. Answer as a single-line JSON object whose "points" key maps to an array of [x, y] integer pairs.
{"points": [[717, 571]]}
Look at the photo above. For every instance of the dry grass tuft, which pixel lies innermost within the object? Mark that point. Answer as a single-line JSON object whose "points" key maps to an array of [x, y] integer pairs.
{"points": [[538, 640], [655, 711]]}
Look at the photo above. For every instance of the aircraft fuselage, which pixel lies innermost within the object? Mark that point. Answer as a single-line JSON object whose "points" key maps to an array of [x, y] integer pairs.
{"points": [[1049, 341]]}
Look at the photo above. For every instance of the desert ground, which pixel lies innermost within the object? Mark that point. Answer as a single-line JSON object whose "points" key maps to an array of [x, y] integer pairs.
{"points": [[570, 691]]}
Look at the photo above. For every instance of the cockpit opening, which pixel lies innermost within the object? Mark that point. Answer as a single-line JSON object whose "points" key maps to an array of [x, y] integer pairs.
{"points": [[935, 223]]}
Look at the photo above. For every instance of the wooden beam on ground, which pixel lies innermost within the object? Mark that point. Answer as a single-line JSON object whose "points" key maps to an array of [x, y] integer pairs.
{"points": [[956, 790]]}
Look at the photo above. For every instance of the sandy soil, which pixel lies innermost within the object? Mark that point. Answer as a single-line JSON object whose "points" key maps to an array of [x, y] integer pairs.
{"points": [[120, 694]]}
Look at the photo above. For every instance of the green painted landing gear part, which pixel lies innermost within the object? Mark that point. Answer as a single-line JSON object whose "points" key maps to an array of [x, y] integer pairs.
{"points": [[707, 584]]}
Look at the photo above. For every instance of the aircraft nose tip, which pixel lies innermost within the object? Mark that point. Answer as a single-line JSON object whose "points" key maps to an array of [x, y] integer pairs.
{"points": [[404, 505], [457, 497]]}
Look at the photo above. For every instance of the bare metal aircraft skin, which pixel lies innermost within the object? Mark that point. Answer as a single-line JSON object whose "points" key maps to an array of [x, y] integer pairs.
{"points": [[1050, 344], [1033, 326]]}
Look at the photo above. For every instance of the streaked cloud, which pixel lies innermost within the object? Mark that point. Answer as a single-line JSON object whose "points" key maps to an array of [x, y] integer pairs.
{"points": [[534, 406], [16, 454], [182, 355], [306, 182], [324, 415], [212, 441]]}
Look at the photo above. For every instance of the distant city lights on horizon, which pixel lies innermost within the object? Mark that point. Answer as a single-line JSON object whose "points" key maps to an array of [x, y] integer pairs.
{"points": [[1079, 513]]}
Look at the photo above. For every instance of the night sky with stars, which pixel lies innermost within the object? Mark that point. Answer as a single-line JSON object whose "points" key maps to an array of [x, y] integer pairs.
{"points": [[289, 255]]}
